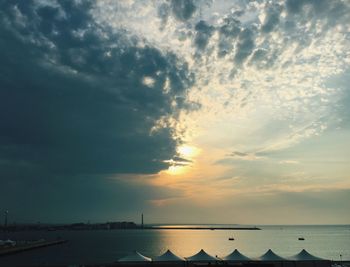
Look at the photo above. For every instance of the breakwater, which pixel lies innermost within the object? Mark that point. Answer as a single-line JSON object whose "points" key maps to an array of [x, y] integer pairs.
{"points": [[199, 228]]}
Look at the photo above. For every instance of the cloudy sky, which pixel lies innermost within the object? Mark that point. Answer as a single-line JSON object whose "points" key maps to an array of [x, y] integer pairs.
{"points": [[188, 111]]}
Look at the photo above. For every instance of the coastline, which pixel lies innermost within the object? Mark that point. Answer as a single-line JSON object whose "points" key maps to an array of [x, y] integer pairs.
{"points": [[198, 228]]}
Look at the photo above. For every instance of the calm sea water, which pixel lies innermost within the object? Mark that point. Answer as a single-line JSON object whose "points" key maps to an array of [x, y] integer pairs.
{"points": [[107, 246]]}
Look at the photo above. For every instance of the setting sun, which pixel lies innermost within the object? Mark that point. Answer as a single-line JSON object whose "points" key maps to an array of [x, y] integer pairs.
{"points": [[187, 151], [180, 167]]}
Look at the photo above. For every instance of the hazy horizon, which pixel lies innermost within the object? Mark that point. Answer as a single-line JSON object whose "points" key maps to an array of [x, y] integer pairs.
{"points": [[169, 223], [186, 111]]}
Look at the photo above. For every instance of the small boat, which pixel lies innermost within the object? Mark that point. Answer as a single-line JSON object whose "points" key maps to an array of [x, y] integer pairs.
{"points": [[301, 238], [231, 238]]}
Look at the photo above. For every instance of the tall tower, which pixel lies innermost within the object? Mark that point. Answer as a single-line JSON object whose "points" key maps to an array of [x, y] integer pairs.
{"points": [[142, 220], [5, 223]]}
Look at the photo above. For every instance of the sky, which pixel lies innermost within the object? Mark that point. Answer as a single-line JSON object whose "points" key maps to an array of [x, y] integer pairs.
{"points": [[186, 111]]}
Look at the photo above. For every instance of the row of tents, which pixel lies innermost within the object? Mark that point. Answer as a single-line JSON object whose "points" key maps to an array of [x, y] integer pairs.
{"points": [[235, 256]]}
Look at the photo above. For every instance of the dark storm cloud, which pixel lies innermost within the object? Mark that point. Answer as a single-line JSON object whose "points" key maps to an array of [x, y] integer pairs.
{"points": [[93, 113], [75, 109], [73, 99]]}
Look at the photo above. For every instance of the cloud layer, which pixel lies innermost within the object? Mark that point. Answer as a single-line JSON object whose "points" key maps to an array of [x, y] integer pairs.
{"points": [[93, 90], [74, 97]]}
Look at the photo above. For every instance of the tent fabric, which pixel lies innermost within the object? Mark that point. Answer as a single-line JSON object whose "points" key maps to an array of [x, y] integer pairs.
{"points": [[270, 256], [168, 256], [236, 256], [135, 257], [201, 256], [305, 256]]}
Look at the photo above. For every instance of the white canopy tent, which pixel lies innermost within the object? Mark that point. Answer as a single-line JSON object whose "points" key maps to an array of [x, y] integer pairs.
{"points": [[305, 259], [135, 257], [201, 256], [270, 256], [304, 256], [168, 256], [236, 256]]}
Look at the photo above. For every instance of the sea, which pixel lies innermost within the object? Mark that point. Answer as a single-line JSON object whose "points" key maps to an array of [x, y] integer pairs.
{"points": [[107, 246]]}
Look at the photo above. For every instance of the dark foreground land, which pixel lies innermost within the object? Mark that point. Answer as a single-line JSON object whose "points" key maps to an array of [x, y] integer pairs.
{"points": [[219, 263], [324, 263], [222, 264]]}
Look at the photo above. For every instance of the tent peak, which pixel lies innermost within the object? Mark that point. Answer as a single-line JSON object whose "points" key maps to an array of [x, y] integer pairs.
{"points": [[304, 255], [202, 256], [269, 255], [168, 256], [236, 256]]}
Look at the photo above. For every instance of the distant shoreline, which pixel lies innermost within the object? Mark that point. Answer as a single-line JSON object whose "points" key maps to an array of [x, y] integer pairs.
{"points": [[119, 226], [198, 228]]}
